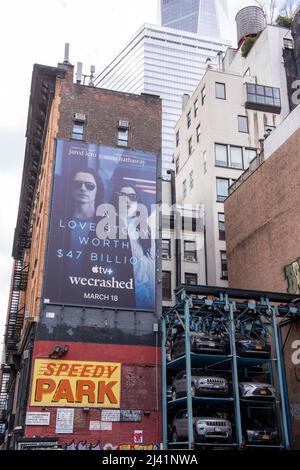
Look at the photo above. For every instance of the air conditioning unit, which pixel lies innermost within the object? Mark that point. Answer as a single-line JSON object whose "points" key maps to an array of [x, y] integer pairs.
{"points": [[79, 117], [124, 124]]}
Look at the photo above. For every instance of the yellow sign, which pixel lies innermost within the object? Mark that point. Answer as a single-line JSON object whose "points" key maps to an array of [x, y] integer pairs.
{"points": [[76, 384]]}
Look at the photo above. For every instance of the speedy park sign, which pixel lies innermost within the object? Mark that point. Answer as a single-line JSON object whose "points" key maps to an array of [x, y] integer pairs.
{"points": [[76, 384]]}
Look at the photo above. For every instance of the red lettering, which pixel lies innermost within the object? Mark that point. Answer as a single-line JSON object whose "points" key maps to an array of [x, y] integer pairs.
{"points": [[64, 392], [74, 372], [86, 370], [106, 389], [50, 368], [111, 370], [44, 387], [85, 388], [99, 371], [62, 368]]}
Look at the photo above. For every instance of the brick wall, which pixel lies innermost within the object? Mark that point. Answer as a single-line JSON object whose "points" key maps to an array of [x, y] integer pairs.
{"points": [[263, 237], [104, 108]]}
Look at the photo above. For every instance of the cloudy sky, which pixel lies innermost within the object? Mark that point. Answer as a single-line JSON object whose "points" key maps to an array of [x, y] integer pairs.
{"points": [[35, 31]]}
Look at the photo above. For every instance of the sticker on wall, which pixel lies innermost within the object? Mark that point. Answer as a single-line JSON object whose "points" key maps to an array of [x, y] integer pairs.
{"points": [[37, 419], [138, 437], [64, 421], [110, 415]]}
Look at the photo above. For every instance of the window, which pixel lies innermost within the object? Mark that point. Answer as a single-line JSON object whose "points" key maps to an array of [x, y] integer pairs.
{"points": [[198, 133], [166, 285], [222, 189], [190, 146], [221, 226], [184, 189], [236, 157], [78, 130], [196, 106], [189, 119], [166, 249], [224, 269], [191, 175], [177, 165], [220, 91], [191, 279], [122, 136], [204, 161], [243, 124], [177, 138], [263, 95], [221, 154], [190, 252], [203, 95], [249, 155]]}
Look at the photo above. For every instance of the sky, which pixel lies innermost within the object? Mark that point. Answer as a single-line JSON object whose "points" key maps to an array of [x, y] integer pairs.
{"points": [[35, 31]]}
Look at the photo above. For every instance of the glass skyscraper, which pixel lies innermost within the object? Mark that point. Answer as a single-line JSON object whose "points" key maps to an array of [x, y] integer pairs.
{"points": [[205, 17], [164, 62]]}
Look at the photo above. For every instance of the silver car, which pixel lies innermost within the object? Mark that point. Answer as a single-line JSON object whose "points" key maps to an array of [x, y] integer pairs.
{"points": [[208, 429], [257, 390], [201, 384]]}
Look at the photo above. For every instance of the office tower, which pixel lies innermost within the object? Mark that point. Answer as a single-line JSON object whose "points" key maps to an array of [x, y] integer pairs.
{"points": [[205, 17], [165, 62]]}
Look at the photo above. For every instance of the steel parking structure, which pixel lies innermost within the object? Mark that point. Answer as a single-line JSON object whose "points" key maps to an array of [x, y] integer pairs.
{"points": [[232, 310]]}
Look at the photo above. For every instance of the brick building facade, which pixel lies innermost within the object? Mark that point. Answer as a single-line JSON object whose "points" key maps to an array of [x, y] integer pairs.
{"points": [[91, 335], [262, 235]]}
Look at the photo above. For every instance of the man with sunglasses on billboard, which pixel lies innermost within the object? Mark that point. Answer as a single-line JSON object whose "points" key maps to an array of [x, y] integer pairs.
{"points": [[84, 195]]}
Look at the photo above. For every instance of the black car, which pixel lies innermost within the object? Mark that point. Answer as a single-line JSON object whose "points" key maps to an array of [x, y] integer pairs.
{"points": [[259, 427], [200, 343], [253, 347]]}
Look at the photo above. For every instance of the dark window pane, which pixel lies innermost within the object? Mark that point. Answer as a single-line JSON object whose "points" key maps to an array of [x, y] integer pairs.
{"points": [[166, 285], [190, 251]]}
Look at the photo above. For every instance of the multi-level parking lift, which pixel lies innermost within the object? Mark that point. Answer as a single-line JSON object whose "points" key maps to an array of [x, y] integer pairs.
{"points": [[230, 312]]}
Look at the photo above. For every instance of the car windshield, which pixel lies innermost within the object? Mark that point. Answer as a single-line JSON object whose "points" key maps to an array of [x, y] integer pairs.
{"points": [[260, 418]]}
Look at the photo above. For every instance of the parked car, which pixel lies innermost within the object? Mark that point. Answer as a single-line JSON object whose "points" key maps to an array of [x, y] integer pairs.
{"points": [[257, 390], [200, 344], [201, 384], [169, 392], [253, 347], [259, 427], [206, 429]]}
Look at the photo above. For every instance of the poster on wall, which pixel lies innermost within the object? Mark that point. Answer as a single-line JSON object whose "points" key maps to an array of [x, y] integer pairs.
{"points": [[101, 241], [76, 384], [64, 421]]}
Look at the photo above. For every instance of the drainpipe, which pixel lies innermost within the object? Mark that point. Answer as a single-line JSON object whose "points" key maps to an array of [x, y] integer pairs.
{"points": [[177, 229]]}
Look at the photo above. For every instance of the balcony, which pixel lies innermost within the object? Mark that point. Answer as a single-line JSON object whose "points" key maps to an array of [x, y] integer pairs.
{"points": [[263, 98]]}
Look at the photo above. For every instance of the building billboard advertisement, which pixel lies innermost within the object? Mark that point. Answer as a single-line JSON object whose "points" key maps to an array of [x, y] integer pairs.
{"points": [[76, 384], [101, 243]]}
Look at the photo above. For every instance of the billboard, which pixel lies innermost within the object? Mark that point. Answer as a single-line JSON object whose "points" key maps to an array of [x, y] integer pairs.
{"points": [[76, 384], [101, 242]]}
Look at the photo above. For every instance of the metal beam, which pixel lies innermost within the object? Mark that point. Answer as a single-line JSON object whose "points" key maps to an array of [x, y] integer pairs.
{"points": [[188, 373], [164, 384]]}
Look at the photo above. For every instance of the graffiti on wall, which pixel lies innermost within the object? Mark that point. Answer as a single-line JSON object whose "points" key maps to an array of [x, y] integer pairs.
{"points": [[84, 445]]}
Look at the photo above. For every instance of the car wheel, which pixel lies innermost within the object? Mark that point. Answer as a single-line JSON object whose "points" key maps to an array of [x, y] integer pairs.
{"points": [[174, 395], [175, 436]]}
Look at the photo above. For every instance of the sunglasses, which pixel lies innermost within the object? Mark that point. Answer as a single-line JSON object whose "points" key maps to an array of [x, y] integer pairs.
{"points": [[89, 186], [131, 196]]}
